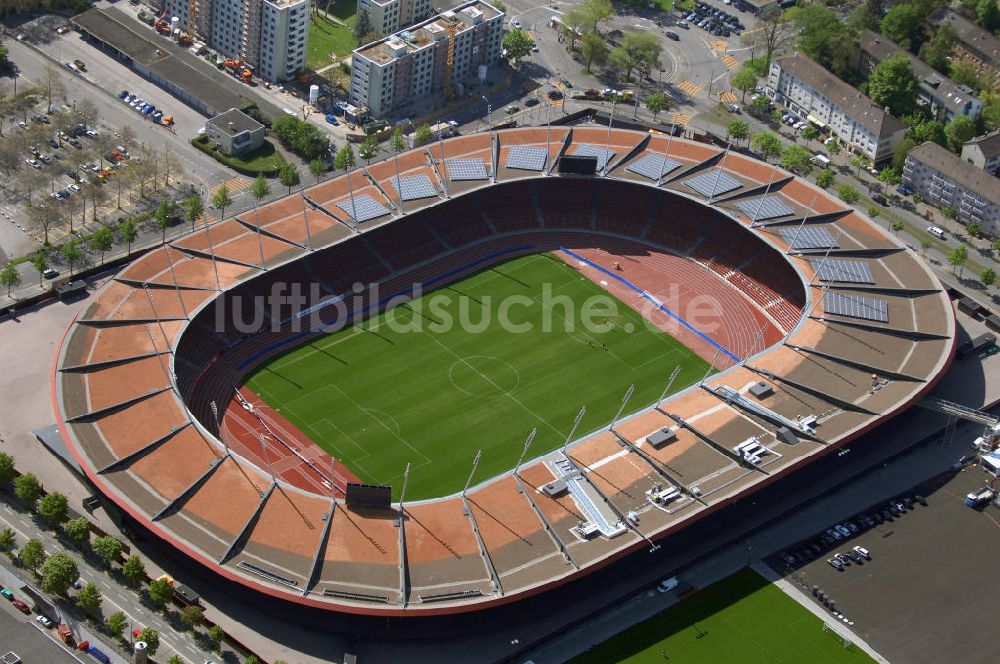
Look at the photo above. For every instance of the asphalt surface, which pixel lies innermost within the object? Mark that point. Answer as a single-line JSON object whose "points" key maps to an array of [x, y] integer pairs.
{"points": [[18, 634]]}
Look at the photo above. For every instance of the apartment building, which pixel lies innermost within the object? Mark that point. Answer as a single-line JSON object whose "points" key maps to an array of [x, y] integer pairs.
{"points": [[269, 35], [809, 90], [945, 97], [388, 16], [943, 179], [974, 43], [443, 52], [983, 152]]}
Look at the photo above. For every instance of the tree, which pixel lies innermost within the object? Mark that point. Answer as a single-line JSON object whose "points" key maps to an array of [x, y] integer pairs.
{"points": [[59, 572], [873, 212], [423, 135], [576, 22], [192, 616], [129, 233], [776, 116], [89, 599], [960, 130], [7, 470], [44, 216], [160, 591], [260, 188], [397, 142], [345, 158], [594, 49], [221, 200], [102, 240], [848, 194], [369, 149], [888, 176], [9, 277], [965, 72], [744, 80], [151, 638], [797, 159], [899, 154], [78, 530], [825, 178], [251, 659], [833, 147], [108, 549], [28, 489], [175, 659], [657, 103], [810, 132], [289, 176], [71, 253], [904, 25], [54, 508], [821, 35], [987, 15], [134, 570], [774, 32], [7, 540], [974, 229], [215, 635], [40, 262], [957, 258], [598, 11], [988, 276], [938, 51], [301, 137], [53, 85], [116, 624], [897, 226], [193, 208], [518, 45], [637, 50], [317, 168], [766, 144], [32, 554], [893, 85], [760, 105], [738, 130], [859, 161]]}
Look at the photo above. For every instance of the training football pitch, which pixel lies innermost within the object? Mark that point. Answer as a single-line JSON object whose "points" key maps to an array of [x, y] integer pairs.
{"points": [[740, 619], [407, 387]]}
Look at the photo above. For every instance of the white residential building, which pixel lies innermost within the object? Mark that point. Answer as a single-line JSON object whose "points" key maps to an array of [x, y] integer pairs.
{"points": [[983, 152], [389, 74], [388, 16], [271, 36], [284, 35], [809, 90], [942, 178]]}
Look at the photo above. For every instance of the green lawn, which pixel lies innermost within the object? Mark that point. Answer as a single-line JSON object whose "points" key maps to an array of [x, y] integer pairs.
{"points": [[382, 397], [325, 37], [740, 619]]}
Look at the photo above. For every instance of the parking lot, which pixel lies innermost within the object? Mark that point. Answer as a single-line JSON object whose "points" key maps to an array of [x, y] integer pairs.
{"points": [[927, 593]]}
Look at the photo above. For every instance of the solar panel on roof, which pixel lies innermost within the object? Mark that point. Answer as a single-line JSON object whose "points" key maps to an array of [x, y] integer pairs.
{"points": [[856, 306], [808, 237], [713, 183], [364, 208], [835, 269], [414, 187], [652, 166], [768, 207], [527, 158], [602, 153], [467, 169]]}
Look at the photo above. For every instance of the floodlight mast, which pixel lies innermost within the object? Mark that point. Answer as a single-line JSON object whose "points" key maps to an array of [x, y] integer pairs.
{"points": [[524, 452], [767, 190], [625, 399], [795, 238], [260, 238], [576, 422], [211, 249], [475, 464], [305, 215], [670, 383], [402, 492], [666, 154]]}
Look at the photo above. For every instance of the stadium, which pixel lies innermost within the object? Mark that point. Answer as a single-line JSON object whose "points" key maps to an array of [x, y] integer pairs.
{"points": [[269, 397]]}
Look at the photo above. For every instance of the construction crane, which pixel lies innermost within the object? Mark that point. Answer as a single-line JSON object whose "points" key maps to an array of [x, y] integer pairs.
{"points": [[449, 63]]}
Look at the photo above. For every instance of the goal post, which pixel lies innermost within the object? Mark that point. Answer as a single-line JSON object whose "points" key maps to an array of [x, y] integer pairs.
{"points": [[846, 642]]}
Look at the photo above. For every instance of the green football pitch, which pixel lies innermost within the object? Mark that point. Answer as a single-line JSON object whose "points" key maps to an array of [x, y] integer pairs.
{"points": [[740, 619], [406, 387]]}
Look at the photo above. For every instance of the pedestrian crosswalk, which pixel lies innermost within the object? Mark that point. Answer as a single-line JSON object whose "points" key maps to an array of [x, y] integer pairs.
{"points": [[682, 119], [730, 62], [727, 97], [233, 185], [719, 45], [689, 88]]}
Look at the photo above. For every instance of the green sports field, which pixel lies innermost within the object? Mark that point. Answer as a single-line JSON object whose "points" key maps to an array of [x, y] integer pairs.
{"points": [[384, 394], [741, 619]]}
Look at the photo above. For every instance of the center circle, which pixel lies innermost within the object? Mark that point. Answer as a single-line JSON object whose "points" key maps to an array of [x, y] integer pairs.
{"points": [[483, 376]]}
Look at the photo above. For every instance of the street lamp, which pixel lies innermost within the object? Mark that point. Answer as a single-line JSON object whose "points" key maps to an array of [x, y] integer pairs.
{"points": [[489, 115]]}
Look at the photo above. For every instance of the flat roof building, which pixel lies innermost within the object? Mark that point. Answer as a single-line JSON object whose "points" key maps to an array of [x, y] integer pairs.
{"points": [[433, 57], [942, 178], [945, 97], [235, 132], [388, 16], [814, 93]]}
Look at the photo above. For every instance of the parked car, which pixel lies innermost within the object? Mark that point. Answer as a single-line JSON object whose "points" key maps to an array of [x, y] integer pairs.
{"points": [[22, 606], [835, 564], [845, 559], [22, 124], [834, 534], [735, 108], [672, 35], [880, 199], [843, 530], [156, 115], [854, 556], [682, 24], [92, 133], [45, 158], [123, 94], [32, 163], [863, 552], [45, 621], [667, 585], [75, 188], [788, 558], [7, 594], [53, 143], [920, 499], [73, 175]]}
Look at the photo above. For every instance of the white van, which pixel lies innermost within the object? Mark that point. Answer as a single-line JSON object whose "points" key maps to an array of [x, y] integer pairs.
{"points": [[821, 160], [936, 232]]}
